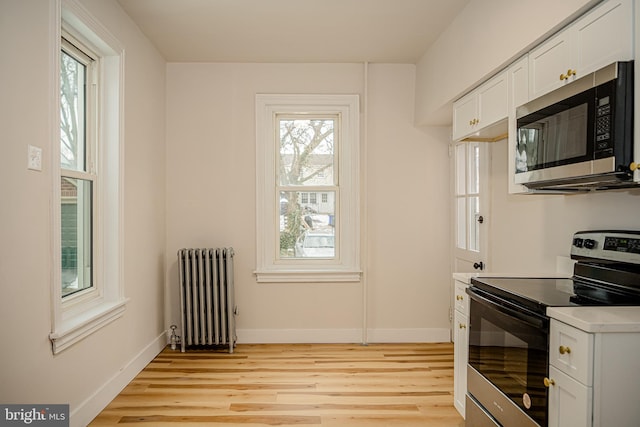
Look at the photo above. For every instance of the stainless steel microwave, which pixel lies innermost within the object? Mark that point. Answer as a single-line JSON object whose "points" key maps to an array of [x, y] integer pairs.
{"points": [[580, 136]]}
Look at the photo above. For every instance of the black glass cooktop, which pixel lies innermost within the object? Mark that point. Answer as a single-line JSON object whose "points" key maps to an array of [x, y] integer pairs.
{"points": [[539, 293], [607, 272]]}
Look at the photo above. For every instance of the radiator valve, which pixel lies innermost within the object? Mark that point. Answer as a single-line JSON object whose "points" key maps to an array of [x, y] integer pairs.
{"points": [[174, 339]]}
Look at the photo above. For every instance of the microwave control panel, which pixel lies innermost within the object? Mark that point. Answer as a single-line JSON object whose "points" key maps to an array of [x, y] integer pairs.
{"points": [[603, 123]]}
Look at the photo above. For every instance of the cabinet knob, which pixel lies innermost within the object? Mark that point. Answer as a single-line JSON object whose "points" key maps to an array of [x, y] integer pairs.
{"points": [[459, 297], [564, 350], [462, 326], [570, 73], [549, 382]]}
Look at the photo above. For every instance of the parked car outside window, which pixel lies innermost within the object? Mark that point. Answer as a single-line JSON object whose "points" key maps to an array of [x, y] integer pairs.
{"points": [[315, 244]]}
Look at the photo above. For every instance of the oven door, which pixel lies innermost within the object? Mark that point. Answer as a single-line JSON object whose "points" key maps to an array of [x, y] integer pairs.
{"points": [[508, 348]]}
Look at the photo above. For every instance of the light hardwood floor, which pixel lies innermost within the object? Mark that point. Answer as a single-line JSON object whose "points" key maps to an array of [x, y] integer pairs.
{"points": [[335, 385]]}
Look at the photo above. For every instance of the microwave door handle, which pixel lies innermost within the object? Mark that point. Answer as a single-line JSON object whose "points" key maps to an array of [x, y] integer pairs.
{"points": [[518, 313]]}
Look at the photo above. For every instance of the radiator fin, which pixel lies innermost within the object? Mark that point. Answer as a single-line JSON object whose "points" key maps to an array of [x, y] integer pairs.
{"points": [[207, 297]]}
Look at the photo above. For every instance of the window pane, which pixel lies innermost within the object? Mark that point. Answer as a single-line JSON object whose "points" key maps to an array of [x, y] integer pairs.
{"points": [[307, 230], [72, 113], [474, 225], [306, 152], [461, 227], [76, 235]]}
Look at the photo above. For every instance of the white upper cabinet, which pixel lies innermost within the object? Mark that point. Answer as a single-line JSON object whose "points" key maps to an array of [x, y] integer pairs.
{"points": [[548, 65], [518, 74], [600, 37], [465, 113], [481, 112]]}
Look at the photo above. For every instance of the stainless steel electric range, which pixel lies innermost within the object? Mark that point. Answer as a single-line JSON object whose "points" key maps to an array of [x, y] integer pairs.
{"points": [[509, 328]]}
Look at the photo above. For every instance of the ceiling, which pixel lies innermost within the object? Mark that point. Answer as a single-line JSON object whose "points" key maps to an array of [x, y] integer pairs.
{"points": [[292, 31]]}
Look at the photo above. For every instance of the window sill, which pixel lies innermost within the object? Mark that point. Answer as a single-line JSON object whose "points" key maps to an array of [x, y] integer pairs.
{"points": [[78, 327], [307, 276]]}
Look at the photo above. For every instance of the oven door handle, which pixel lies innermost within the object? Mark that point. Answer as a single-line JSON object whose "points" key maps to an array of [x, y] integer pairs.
{"points": [[509, 309]]}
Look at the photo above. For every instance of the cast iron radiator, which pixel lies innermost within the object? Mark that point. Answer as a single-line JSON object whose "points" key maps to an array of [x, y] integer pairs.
{"points": [[207, 297]]}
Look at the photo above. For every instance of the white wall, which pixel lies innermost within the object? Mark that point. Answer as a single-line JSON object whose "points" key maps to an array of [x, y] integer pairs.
{"points": [[211, 202], [482, 39], [88, 374], [542, 226]]}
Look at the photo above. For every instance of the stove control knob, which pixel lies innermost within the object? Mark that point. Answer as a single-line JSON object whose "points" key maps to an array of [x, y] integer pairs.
{"points": [[590, 243], [577, 242]]}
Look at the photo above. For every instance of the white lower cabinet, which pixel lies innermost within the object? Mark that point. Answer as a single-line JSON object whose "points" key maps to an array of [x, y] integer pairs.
{"points": [[461, 345], [594, 377], [569, 401]]}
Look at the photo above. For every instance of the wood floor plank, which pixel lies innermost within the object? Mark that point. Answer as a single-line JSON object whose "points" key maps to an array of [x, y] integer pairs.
{"points": [[293, 385]]}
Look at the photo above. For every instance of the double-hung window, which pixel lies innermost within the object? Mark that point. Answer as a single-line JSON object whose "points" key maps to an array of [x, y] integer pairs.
{"points": [[307, 144], [78, 173], [87, 290]]}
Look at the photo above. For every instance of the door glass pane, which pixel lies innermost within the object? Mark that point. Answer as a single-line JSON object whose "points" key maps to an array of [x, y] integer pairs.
{"points": [[461, 169], [307, 148], [474, 225], [72, 113], [474, 169], [307, 230], [76, 235], [461, 223]]}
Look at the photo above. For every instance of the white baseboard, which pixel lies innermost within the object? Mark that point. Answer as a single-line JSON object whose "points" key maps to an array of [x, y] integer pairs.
{"points": [[431, 335], [94, 404], [298, 336], [307, 336]]}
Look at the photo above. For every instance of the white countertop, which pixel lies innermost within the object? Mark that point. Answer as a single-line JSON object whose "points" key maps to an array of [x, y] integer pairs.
{"points": [[598, 319], [466, 277]]}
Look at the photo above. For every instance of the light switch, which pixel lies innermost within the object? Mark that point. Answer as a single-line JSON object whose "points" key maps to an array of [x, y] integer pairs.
{"points": [[35, 158]]}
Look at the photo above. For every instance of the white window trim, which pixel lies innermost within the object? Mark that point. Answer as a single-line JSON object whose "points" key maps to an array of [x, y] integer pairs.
{"points": [[78, 317], [346, 267]]}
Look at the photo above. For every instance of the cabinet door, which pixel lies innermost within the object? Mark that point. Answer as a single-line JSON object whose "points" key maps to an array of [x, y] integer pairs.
{"points": [[493, 98], [548, 62], [461, 299], [460, 358], [569, 401], [571, 351], [604, 36], [465, 115], [518, 94]]}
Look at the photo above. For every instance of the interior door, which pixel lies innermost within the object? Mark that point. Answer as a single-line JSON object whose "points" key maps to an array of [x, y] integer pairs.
{"points": [[471, 207]]}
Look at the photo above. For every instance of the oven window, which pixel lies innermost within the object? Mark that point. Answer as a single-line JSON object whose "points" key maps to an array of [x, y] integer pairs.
{"points": [[503, 357], [512, 355]]}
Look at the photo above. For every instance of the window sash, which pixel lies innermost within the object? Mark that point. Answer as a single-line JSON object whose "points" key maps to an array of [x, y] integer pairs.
{"points": [[83, 101]]}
